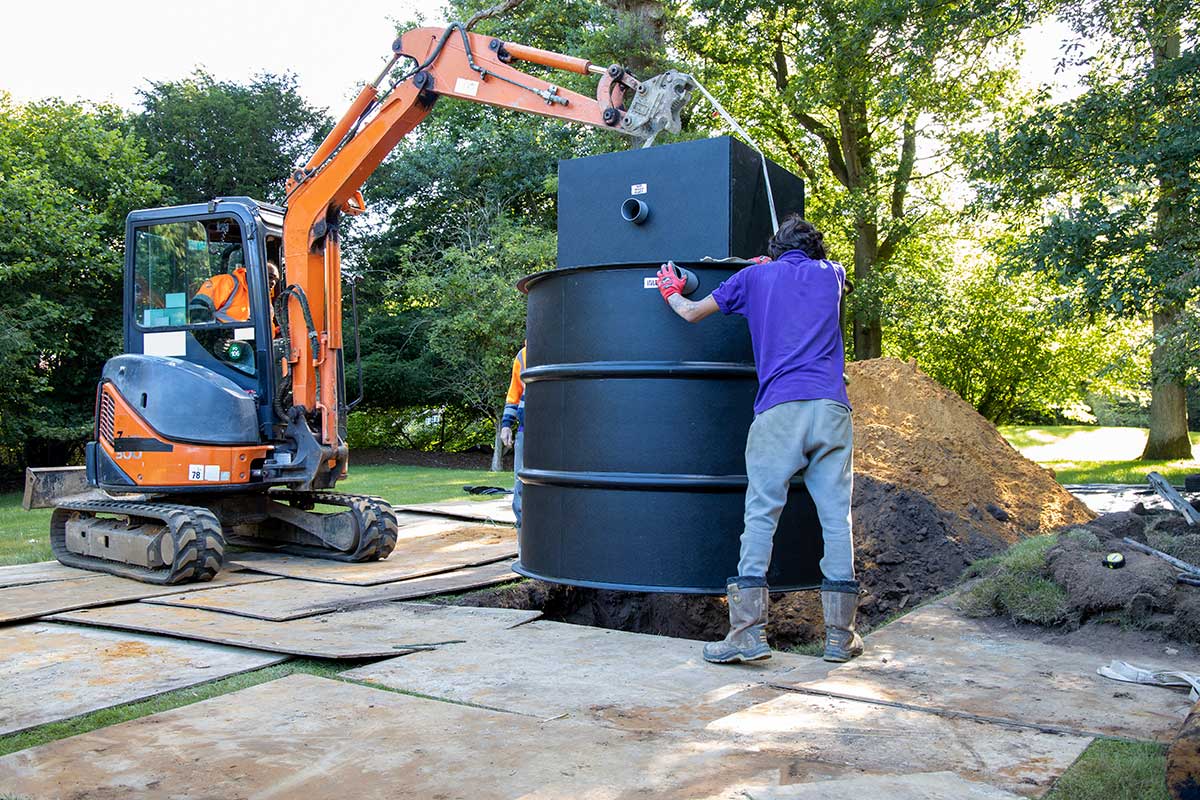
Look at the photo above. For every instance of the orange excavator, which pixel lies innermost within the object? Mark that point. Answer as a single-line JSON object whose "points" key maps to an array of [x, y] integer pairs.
{"points": [[224, 420]]}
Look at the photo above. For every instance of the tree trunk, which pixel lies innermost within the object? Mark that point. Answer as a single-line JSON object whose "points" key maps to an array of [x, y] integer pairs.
{"points": [[1168, 400], [497, 451], [647, 20], [868, 330]]}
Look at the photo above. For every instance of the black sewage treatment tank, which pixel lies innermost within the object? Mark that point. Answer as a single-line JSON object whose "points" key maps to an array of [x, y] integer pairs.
{"points": [[635, 420]]}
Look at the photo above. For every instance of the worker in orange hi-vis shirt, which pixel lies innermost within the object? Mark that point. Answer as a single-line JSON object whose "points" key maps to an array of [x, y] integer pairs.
{"points": [[222, 298], [514, 417]]}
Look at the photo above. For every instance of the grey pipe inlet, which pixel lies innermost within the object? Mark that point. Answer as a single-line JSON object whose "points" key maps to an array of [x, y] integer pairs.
{"points": [[635, 211]]}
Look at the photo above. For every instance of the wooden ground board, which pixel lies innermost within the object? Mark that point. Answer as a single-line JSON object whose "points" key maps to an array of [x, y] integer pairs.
{"points": [[936, 658], [40, 572], [286, 599], [628, 680], [304, 736], [42, 599], [427, 548], [54, 672], [386, 629], [923, 786]]}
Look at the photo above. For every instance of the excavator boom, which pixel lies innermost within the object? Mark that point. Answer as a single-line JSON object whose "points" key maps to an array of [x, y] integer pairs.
{"points": [[450, 62]]}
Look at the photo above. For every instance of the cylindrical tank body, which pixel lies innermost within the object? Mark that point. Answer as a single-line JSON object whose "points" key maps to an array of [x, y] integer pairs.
{"points": [[635, 420], [635, 431]]}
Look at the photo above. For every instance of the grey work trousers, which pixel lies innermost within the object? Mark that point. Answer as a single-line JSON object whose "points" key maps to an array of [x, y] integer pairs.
{"points": [[518, 463], [814, 438]]}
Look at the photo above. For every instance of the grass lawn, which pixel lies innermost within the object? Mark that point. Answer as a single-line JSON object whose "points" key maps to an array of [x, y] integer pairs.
{"points": [[24, 535], [1088, 454], [1110, 770]]}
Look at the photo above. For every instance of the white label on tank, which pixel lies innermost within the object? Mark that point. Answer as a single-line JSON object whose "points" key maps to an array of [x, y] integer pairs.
{"points": [[649, 283], [243, 334], [224, 476], [637, 188], [195, 472], [167, 343], [212, 472], [464, 86]]}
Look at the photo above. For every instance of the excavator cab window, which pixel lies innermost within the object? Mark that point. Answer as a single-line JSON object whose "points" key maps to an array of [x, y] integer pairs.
{"points": [[192, 274]]}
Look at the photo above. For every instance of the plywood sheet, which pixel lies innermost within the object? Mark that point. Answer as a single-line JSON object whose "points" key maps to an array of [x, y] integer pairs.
{"points": [[827, 736], [304, 736], [42, 599], [40, 572], [286, 599], [937, 658], [924, 786], [497, 511], [552, 669], [386, 629], [54, 672], [427, 548]]}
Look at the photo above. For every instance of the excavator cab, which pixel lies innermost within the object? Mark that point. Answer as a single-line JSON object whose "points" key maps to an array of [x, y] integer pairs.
{"points": [[197, 289]]}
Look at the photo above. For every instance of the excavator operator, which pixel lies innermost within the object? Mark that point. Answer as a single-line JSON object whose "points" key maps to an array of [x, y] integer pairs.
{"points": [[226, 297]]}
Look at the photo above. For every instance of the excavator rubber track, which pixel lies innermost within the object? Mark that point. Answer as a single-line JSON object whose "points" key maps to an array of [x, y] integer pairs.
{"points": [[377, 526], [199, 547]]}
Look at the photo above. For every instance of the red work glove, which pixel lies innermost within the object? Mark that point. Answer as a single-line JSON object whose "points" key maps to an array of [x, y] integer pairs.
{"points": [[761, 259], [670, 280]]}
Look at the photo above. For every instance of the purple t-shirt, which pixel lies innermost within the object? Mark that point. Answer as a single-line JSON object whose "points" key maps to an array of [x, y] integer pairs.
{"points": [[792, 306]]}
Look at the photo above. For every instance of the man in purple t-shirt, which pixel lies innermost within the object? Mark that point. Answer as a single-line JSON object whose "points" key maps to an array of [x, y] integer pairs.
{"points": [[801, 426]]}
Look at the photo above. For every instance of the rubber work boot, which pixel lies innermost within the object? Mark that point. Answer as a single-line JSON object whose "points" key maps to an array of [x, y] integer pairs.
{"points": [[747, 639], [840, 601]]}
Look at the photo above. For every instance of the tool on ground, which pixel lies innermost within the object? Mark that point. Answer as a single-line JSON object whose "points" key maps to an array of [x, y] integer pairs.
{"points": [[1114, 561], [225, 418], [1188, 579], [1168, 493], [1170, 559]]}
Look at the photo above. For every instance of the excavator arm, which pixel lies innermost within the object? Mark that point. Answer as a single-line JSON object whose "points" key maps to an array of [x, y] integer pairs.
{"points": [[451, 62]]}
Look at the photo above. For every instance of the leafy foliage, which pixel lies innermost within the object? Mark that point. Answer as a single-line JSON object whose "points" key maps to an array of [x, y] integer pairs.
{"points": [[68, 175], [996, 340], [1114, 177], [845, 92], [223, 138]]}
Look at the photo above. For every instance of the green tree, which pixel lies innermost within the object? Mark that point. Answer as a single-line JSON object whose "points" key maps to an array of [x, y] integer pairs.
{"points": [[1113, 176], [69, 174], [224, 138], [998, 340], [846, 92]]}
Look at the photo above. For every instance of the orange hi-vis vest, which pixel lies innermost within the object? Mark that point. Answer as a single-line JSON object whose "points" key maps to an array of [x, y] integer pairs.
{"points": [[229, 295], [514, 401]]}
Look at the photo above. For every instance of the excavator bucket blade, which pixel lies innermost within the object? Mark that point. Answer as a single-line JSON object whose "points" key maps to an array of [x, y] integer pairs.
{"points": [[46, 486]]}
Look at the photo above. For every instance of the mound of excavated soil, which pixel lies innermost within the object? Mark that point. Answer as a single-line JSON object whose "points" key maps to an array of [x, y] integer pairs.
{"points": [[912, 432], [936, 487]]}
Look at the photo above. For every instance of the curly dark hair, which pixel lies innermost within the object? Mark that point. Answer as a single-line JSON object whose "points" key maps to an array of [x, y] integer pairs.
{"points": [[796, 233]]}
